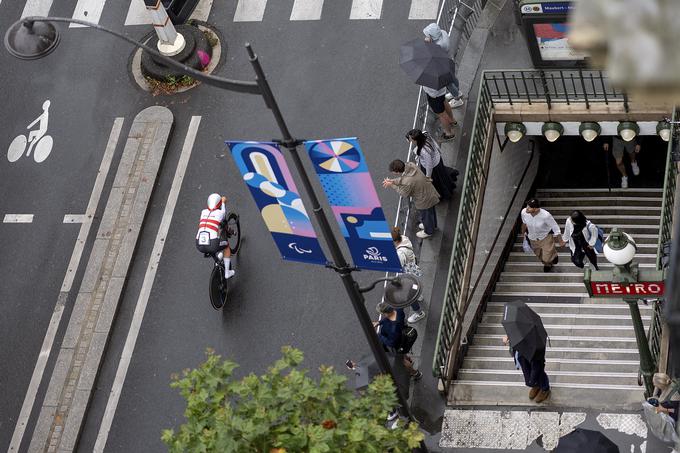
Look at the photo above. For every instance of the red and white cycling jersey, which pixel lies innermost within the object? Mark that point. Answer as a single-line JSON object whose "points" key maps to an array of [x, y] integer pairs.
{"points": [[210, 222]]}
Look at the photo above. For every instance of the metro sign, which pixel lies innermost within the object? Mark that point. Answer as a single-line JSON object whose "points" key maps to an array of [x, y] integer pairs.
{"points": [[637, 289]]}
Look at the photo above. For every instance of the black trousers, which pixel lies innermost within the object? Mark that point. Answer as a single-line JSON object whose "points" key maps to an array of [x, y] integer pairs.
{"points": [[581, 250]]}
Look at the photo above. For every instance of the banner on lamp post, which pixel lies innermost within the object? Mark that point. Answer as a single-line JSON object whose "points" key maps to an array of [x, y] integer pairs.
{"points": [[344, 176], [268, 177]]}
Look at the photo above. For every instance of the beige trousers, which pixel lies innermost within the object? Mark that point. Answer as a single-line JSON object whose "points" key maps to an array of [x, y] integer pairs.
{"points": [[545, 249]]}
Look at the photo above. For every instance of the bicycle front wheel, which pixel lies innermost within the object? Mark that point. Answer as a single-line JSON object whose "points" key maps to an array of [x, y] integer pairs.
{"points": [[218, 288], [233, 232]]}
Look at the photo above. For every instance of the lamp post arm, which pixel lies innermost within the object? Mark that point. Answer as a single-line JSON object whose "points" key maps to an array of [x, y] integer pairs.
{"points": [[240, 86], [365, 289]]}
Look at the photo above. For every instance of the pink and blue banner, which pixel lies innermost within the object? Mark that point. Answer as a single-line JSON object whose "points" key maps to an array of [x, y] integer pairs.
{"points": [[268, 177], [345, 179]]}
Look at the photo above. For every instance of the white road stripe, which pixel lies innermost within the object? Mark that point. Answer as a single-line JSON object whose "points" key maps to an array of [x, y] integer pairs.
{"points": [[74, 218], [37, 8], [89, 10], [137, 14], [424, 9], [250, 10], [144, 293], [306, 10], [46, 348], [18, 218], [366, 9]]}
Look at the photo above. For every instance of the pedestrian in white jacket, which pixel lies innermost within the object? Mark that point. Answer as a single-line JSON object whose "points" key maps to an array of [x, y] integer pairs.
{"points": [[581, 234]]}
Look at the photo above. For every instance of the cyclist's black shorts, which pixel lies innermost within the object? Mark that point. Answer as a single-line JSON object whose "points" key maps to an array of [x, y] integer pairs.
{"points": [[215, 246]]}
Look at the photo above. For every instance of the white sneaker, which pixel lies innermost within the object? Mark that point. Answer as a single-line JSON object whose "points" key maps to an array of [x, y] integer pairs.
{"points": [[421, 226], [624, 182], [229, 273], [455, 103], [416, 316], [448, 96], [422, 234], [635, 167]]}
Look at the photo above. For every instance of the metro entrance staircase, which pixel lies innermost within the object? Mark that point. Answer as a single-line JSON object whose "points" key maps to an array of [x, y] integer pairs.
{"points": [[592, 360]]}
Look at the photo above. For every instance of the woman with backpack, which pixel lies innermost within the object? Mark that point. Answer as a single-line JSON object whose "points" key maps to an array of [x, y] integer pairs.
{"points": [[584, 239], [431, 163]]}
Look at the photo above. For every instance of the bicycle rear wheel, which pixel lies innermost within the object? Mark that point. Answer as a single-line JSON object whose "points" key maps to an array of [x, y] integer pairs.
{"points": [[218, 288], [233, 232]]}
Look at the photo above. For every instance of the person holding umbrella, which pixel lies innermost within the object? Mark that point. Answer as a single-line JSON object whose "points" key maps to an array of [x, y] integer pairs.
{"points": [[438, 36], [527, 338]]}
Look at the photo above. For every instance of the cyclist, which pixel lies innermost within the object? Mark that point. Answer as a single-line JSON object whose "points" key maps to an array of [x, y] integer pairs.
{"points": [[208, 239]]}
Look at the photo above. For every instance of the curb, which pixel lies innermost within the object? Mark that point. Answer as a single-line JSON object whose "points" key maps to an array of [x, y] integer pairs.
{"points": [[80, 355]]}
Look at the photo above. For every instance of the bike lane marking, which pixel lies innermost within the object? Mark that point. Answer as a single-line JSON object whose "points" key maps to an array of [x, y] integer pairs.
{"points": [[76, 218], [145, 292], [51, 333], [18, 218]]}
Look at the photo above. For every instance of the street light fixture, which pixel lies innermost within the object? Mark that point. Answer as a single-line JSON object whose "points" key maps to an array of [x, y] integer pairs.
{"points": [[628, 130], [589, 130], [515, 131], [552, 130], [37, 41], [663, 129]]}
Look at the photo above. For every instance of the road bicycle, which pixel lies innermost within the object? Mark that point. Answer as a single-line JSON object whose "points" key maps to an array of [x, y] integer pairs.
{"points": [[219, 286]]}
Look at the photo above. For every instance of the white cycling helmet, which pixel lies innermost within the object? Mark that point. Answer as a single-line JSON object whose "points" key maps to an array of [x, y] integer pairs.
{"points": [[214, 201]]}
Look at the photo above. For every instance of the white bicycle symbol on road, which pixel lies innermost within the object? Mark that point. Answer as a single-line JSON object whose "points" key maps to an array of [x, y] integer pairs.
{"points": [[37, 141]]}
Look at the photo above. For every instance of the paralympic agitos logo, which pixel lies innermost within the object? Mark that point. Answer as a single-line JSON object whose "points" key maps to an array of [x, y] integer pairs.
{"points": [[373, 254]]}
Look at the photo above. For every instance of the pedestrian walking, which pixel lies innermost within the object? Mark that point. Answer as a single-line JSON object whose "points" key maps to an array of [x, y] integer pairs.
{"points": [[438, 36], [431, 162], [632, 148], [537, 224], [411, 182], [407, 258], [390, 326], [436, 99], [582, 236]]}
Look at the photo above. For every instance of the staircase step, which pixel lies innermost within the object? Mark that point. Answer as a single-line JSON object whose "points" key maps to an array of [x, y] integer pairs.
{"points": [[560, 330], [572, 319], [625, 342], [611, 307], [599, 218], [639, 238], [556, 377], [565, 211], [588, 204], [555, 364], [560, 352], [542, 287], [595, 396], [562, 266], [564, 256], [542, 277], [615, 192]]}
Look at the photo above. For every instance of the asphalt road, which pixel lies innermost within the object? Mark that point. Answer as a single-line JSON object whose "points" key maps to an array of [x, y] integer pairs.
{"points": [[333, 78]]}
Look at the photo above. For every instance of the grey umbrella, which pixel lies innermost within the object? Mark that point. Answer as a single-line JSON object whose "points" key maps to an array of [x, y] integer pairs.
{"points": [[585, 441], [426, 63], [524, 328], [364, 372]]}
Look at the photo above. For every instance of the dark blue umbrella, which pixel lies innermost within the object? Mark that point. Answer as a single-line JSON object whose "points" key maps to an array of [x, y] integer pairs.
{"points": [[585, 441], [426, 63], [524, 329]]}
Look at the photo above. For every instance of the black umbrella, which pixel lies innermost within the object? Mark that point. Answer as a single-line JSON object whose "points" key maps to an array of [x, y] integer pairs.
{"points": [[585, 441], [525, 329], [426, 63]]}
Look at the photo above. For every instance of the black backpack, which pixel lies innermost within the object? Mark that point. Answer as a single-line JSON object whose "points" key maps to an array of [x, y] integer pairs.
{"points": [[409, 335]]}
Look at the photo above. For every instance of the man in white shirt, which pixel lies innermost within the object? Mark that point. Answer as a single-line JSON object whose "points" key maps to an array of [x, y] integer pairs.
{"points": [[537, 224]]}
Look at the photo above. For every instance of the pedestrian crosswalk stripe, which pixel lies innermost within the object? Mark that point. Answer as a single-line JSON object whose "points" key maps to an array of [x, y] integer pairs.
{"points": [[137, 14], [37, 8], [306, 10], [424, 9], [89, 10], [18, 218], [366, 9], [250, 10]]}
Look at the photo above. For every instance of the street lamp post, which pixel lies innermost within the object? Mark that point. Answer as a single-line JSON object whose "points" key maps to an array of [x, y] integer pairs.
{"points": [[630, 283], [34, 37]]}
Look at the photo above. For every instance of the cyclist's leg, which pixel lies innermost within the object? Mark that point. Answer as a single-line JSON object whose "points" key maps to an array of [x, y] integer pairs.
{"points": [[228, 272]]}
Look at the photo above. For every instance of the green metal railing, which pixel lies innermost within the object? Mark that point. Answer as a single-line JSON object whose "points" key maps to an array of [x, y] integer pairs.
{"points": [[450, 324]]}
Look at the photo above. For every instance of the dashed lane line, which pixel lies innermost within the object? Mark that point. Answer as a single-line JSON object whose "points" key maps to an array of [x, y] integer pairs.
{"points": [[51, 333], [74, 218], [18, 218], [145, 292]]}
